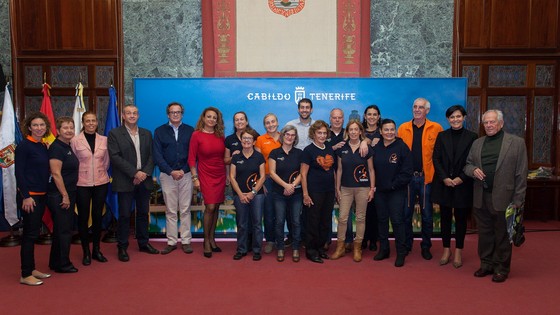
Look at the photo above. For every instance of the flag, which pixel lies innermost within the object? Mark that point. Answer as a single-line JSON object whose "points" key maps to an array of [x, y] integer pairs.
{"points": [[79, 108], [46, 108], [112, 121], [10, 136]]}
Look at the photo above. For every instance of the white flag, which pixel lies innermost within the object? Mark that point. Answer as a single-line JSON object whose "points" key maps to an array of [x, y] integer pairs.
{"points": [[79, 108], [7, 147]]}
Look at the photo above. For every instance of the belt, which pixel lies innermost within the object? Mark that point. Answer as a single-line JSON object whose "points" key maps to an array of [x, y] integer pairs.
{"points": [[418, 174]]}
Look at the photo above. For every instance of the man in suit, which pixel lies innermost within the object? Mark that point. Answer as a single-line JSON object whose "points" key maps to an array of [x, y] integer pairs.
{"points": [[420, 135], [498, 163], [171, 152], [130, 152]]}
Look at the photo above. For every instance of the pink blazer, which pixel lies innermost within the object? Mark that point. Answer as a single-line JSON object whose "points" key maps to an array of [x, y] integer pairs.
{"points": [[93, 167]]}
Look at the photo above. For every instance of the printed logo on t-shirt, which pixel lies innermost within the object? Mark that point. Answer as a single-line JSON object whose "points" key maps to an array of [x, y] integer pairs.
{"points": [[393, 159], [252, 181], [360, 174], [326, 162]]}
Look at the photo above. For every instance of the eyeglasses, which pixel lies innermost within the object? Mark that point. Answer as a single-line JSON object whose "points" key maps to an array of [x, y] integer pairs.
{"points": [[175, 113], [289, 135], [247, 138]]}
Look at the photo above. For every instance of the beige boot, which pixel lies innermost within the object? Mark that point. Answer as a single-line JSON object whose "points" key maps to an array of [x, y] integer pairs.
{"points": [[339, 252], [358, 251]]}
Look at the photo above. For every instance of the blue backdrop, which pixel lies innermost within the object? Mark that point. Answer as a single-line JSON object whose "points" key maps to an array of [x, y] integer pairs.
{"points": [[257, 97]]}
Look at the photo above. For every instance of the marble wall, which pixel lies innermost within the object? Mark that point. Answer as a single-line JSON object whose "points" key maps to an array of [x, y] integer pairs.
{"points": [[163, 39]]}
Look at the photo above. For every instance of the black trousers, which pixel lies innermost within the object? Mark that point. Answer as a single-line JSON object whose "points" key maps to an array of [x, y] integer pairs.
{"points": [[371, 233], [318, 220], [63, 221], [32, 222], [447, 214], [90, 199]]}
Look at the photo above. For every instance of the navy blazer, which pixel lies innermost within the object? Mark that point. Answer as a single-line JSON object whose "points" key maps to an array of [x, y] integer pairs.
{"points": [[123, 158]]}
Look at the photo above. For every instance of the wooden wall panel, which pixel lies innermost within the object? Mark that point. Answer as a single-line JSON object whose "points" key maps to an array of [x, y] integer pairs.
{"points": [[510, 24], [31, 28], [104, 25], [474, 29], [544, 24], [69, 21]]}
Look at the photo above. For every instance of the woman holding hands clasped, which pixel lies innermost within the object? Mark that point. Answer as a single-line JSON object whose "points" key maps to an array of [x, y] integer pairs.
{"points": [[451, 188], [317, 180], [392, 161], [208, 170], [91, 150], [32, 177], [284, 164], [355, 182], [247, 177]]}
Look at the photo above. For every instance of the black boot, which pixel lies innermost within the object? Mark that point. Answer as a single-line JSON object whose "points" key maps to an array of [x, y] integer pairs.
{"points": [[86, 261], [97, 255]]}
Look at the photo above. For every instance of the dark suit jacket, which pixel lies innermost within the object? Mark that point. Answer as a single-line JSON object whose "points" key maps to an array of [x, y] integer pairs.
{"points": [[510, 179], [123, 158], [450, 165]]}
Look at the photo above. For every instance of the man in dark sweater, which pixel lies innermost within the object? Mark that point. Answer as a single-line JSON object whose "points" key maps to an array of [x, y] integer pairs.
{"points": [[498, 163]]}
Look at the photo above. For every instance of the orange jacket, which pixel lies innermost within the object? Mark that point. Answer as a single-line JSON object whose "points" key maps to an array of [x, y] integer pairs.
{"points": [[431, 130]]}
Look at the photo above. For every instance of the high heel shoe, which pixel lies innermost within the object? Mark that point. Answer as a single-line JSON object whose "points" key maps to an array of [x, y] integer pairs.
{"points": [[458, 261], [207, 252], [215, 248], [445, 260]]}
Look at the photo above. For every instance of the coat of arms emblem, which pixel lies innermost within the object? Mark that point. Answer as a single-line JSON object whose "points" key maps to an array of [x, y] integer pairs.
{"points": [[286, 7]]}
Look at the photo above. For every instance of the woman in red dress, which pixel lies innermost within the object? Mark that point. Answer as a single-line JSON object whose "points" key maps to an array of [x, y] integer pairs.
{"points": [[208, 170]]}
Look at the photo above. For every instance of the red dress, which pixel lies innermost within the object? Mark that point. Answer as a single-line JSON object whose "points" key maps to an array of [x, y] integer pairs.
{"points": [[206, 152]]}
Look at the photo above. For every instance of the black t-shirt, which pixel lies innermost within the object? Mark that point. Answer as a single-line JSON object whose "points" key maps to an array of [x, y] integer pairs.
{"points": [[70, 165], [287, 166], [417, 147], [354, 167], [247, 170], [320, 177], [373, 134]]}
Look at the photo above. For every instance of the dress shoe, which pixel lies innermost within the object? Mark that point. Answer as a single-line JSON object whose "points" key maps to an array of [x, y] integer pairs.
{"points": [[295, 255], [207, 249], [40, 275], [123, 255], [70, 269], [168, 249], [280, 255], [457, 264], [215, 248], [239, 255], [499, 277], [208, 254], [257, 256], [315, 259], [399, 262], [381, 255], [148, 248], [97, 255], [187, 248], [426, 254], [482, 273], [86, 261], [30, 280], [323, 255]]}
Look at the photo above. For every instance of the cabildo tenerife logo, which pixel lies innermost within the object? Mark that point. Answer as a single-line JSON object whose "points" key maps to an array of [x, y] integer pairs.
{"points": [[300, 93]]}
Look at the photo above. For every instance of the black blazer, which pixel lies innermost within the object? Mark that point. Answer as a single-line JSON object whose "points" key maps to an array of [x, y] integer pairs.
{"points": [[449, 164], [123, 158]]}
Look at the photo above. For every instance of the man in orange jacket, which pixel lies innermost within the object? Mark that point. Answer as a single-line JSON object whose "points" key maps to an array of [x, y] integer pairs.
{"points": [[420, 135]]}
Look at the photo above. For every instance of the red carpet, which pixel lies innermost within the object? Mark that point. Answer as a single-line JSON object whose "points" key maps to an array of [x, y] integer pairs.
{"points": [[189, 284]]}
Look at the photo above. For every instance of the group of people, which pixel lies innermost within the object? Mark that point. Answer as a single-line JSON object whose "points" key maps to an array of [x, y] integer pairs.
{"points": [[290, 176]]}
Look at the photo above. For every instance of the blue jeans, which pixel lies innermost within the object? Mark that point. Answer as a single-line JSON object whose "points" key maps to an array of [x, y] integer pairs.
{"points": [[269, 212], [288, 206], [416, 187], [141, 196], [249, 216], [390, 205]]}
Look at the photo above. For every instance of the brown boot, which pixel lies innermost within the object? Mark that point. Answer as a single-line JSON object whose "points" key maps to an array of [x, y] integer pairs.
{"points": [[339, 252], [358, 251]]}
